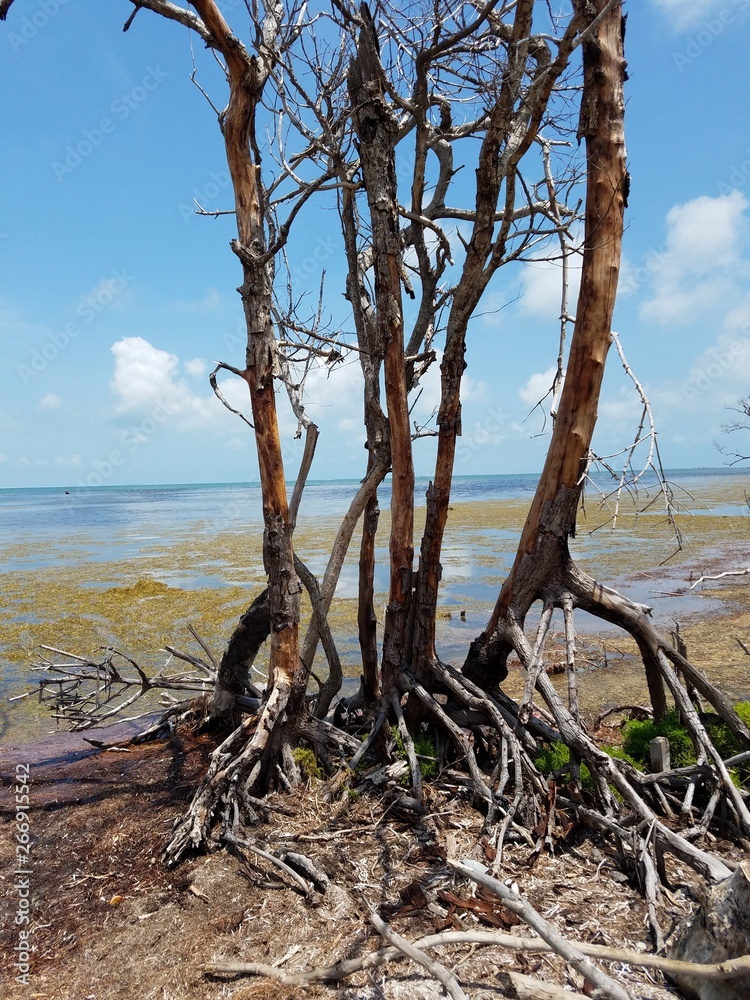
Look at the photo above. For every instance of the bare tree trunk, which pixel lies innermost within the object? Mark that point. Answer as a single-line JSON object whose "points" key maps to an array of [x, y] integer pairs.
{"points": [[376, 128], [366, 618], [543, 569], [246, 81], [541, 564], [233, 675], [286, 677], [377, 444], [511, 131]]}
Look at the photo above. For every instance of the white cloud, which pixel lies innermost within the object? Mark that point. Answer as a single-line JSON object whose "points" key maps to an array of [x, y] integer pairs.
{"points": [[145, 380], [50, 401], [334, 386], [474, 391], [695, 406], [68, 460], [619, 414], [702, 266], [542, 288], [717, 378], [426, 397], [196, 367], [537, 386], [3, 457]]}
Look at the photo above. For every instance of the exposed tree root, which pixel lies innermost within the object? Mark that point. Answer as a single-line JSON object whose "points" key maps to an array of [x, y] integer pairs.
{"points": [[485, 731], [232, 774]]}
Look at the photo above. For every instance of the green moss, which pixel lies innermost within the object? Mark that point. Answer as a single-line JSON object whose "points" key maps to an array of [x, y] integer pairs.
{"points": [[554, 758], [307, 762], [426, 751], [727, 743], [638, 734], [619, 754]]}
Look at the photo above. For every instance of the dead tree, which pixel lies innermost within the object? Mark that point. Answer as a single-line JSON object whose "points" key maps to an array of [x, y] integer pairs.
{"points": [[377, 130], [543, 571], [508, 70], [514, 120]]}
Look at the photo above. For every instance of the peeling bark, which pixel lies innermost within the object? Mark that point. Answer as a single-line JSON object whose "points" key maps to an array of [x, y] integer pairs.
{"points": [[376, 128], [540, 569]]}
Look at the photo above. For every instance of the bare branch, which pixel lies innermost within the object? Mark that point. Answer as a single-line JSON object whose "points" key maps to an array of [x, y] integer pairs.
{"points": [[174, 13], [606, 986], [215, 386]]}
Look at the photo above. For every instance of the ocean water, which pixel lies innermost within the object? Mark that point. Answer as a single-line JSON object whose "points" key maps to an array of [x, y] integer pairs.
{"points": [[52, 512], [122, 518], [147, 530]]}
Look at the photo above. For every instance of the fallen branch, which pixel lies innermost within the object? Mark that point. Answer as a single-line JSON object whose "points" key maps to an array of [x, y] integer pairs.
{"points": [[734, 968], [87, 692], [606, 986], [526, 988], [720, 576], [300, 882], [438, 971]]}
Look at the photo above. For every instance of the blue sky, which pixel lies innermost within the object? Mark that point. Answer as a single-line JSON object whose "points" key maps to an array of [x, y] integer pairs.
{"points": [[115, 300]]}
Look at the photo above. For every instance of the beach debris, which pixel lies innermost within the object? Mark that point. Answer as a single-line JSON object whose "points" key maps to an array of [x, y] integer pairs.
{"points": [[85, 691]]}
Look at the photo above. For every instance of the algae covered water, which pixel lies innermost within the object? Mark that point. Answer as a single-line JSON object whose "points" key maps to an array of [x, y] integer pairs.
{"points": [[131, 567]]}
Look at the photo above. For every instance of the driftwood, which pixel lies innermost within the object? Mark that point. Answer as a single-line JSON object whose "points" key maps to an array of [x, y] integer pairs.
{"points": [[521, 987], [438, 971], [302, 885], [87, 692]]}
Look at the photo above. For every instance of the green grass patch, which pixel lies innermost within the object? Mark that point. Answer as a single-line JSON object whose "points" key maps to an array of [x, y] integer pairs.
{"points": [[728, 745], [637, 734], [554, 758], [424, 748], [307, 762]]}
